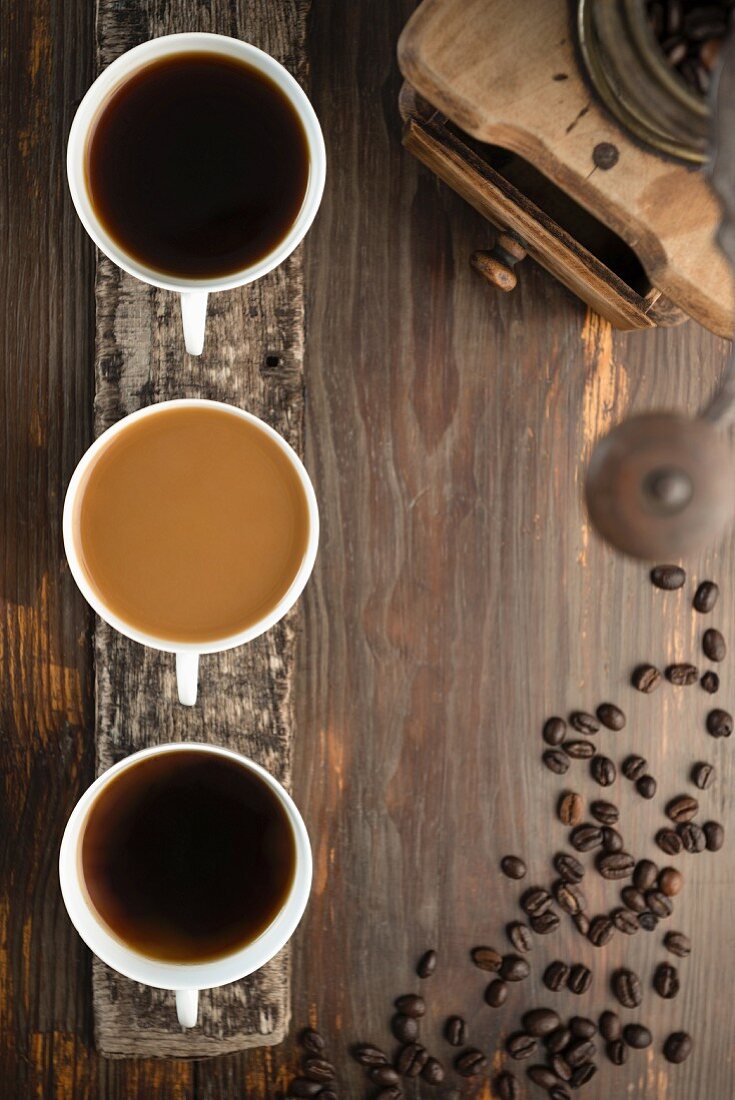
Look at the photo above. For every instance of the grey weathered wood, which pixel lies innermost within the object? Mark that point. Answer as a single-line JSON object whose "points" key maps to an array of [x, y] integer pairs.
{"points": [[245, 695]]}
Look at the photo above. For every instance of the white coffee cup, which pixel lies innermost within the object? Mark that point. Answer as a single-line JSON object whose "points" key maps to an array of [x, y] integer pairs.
{"points": [[193, 292], [187, 653], [185, 979]]}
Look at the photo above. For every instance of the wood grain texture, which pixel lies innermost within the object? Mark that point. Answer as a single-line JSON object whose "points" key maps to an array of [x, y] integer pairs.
{"points": [[515, 81], [459, 597], [245, 699]]}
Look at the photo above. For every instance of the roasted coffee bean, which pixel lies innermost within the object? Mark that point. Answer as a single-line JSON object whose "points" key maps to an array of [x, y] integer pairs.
{"points": [[384, 1075], [319, 1069], [535, 901], [646, 786], [540, 1021], [582, 1075], [678, 1047], [611, 716], [470, 1062], [668, 577], [560, 1066], [703, 775], [393, 1092], [606, 813], [615, 865], [514, 968], [633, 766], [585, 837], [579, 1051], [714, 835], [617, 1052], [710, 682], [496, 993], [659, 903], [582, 1027], [678, 944], [556, 976], [682, 675], [568, 867], [506, 1087], [670, 881], [579, 750], [569, 897], [713, 645], [669, 841], [682, 808], [455, 1031], [513, 867], [601, 930], [633, 898], [486, 958], [583, 722], [405, 1028], [626, 985], [557, 1040], [666, 980], [556, 761], [410, 1004], [610, 1026], [580, 978], [612, 841], [647, 920], [645, 875], [303, 1087], [705, 597], [646, 678], [433, 1072], [411, 1059], [719, 723], [602, 770], [312, 1040], [328, 1094], [559, 1093], [554, 731], [625, 921], [542, 1076], [545, 923], [426, 964], [369, 1056], [637, 1036], [581, 923], [570, 809], [521, 1045], [520, 936], [692, 837]]}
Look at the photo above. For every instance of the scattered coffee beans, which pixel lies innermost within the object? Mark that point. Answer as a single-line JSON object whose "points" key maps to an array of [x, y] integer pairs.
{"points": [[580, 978], [637, 1036], [579, 750], [568, 867], [659, 904], [514, 968], [535, 901], [633, 767], [540, 1022], [582, 722], [678, 944], [556, 976], [610, 1026], [669, 841], [646, 786], [433, 1071], [556, 761], [605, 812], [506, 1087], [682, 675], [410, 1004], [625, 921], [455, 1031], [666, 981], [670, 881], [411, 1059], [645, 874], [369, 1056], [668, 577], [705, 597], [520, 1045], [719, 723], [714, 836], [682, 808], [601, 930], [710, 682], [426, 964], [647, 920], [486, 958], [692, 837], [585, 837], [404, 1028], [617, 1052], [520, 936], [570, 808], [470, 1062], [496, 993], [633, 899], [615, 865], [602, 770]]}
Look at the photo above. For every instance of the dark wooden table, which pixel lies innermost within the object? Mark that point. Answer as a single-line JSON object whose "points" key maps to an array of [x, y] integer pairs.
{"points": [[459, 597]]}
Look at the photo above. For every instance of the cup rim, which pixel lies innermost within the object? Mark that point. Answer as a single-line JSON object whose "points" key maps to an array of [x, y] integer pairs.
{"points": [[118, 71], [166, 645], [160, 973]]}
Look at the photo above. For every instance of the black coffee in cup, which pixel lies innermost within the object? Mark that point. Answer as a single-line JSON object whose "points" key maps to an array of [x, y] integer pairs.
{"points": [[187, 856], [197, 165]]}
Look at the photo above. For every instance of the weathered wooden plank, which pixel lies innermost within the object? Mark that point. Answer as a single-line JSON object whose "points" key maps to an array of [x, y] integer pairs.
{"points": [[252, 358]]}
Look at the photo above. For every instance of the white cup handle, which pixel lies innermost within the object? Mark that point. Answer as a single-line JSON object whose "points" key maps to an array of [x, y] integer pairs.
{"points": [[194, 316], [187, 1007], [187, 677]]}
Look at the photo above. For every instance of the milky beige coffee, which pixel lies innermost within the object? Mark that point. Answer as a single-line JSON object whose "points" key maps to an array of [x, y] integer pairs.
{"points": [[191, 524]]}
